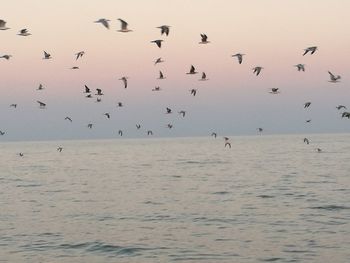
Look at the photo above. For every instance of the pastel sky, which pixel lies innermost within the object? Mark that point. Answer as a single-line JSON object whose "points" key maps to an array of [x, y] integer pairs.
{"points": [[272, 34]]}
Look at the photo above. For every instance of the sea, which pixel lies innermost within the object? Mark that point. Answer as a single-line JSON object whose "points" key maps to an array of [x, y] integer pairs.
{"points": [[269, 198]]}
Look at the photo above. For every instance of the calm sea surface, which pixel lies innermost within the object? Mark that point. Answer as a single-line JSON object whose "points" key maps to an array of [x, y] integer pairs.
{"points": [[267, 199]]}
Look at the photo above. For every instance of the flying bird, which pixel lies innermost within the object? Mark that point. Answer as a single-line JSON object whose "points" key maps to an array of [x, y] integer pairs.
{"points": [[193, 92], [158, 42], [161, 76], [339, 107], [306, 140], [89, 96], [120, 132], [158, 60], [257, 70], [214, 134], [3, 25], [274, 91], [169, 125], [156, 89], [119, 104], [345, 114], [14, 105], [138, 126], [164, 30], [87, 90], [307, 105], [42, 105], [104, 22], [333, 77], [68, 119], [308, 121], [107, 115], [300, 67], [125, 81], [182, 112], [59, 149], [41, 87], [204, 77], [149, 132], [2, 133], [90, 125], [24, 32], [168, 110], [192, 70], [7, 57], [204, 39], [310, 49], [227, 143], [79, 55], [318, 150], [124, 26], [47, 55], [98, 99], [260, 130], [75, 67], [99, 92], [239, 57]]}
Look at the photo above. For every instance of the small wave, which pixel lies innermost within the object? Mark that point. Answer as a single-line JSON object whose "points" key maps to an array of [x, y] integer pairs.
{"points": [[265, 196], [269, 259], [331, 207], [221, 193]]}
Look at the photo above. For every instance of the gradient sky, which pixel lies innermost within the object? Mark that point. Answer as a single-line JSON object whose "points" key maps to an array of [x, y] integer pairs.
{"points": [[272, 34]]}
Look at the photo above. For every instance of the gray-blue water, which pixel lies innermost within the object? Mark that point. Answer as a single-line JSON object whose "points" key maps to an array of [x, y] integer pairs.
{"points": [[268, 198]]}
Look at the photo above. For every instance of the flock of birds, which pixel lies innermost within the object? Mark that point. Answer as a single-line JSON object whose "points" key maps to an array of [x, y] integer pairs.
{"points": [[165, 30]]}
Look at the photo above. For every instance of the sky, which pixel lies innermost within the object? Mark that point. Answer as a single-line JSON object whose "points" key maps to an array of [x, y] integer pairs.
{"points": [[272, 33]]}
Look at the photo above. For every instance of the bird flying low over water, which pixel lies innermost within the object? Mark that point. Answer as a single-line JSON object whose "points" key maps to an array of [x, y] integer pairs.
{"points": [[75, 67], [204, 77], [120, 104], [204, 39], [158, 60], [120, 132], [307, 105], [257, 70], [300, 67], [318, 150], [124, 26], [47, 55], [310, 49], [214, 134], [68, 119], [158, 42], [7, 57], [3, 25], [339, 107], [333, 77], [90, 125], [156, 89], [2, 133], [79, 55], [239, 57], [308, 121], [227, 143], [99, 92], [14, 105], [168, 110], [274, 91], [306, 140], [161, 76], [182, 112], [193, 92], [104, 22], [42, 105], [164, 30], [260, 130], [59, 149], [87, 90], [107, 115], [138, 126], [41, 87], [24, 32], [125, 81], [21, 154], [169, 125], [192, 70], [149, 132], [345, 114]]}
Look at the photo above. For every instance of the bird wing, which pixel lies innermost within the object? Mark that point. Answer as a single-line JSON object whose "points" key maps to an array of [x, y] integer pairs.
{"points": [[192, 69], [2, 23], [124, 24], [105, 23]]}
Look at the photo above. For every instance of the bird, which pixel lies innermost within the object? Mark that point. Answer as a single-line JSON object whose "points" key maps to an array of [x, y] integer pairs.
{"points": [[79, 54], [87, 90], [182, 112], [41, 87], [260, 130], [75, 67], [3, 25], [47, 55], [124, 26], [161, 76], [274, 91], [149, 132], [99, 92], [192, 70], [2, 133], [308, 121], [7, 57], [318, 150], [306, 140], [310, 49], [89, 96], [193, 92], [14, 105], [90, 125], [156, 89], [204, 39], [119, 104], [138, 126], [158, 42], [104, 22], [227, 143], [24, 32], [204, 77], [98, 99], [168, 110], [300, 67], [42, 105], [214, 134], [239, 57], [68, 119], [345, 114], [164, 30], [21, 154], [59, 149], [333, 78], [257, 70], [120, 132], [339, 107], [169, 125], [107, 115], [307, 105], [158, 60], [125, 81]]}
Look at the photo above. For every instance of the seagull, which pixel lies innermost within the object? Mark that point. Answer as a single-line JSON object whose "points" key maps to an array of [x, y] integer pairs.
{"points": [[14, 105], [307, 105], [227, 143], [300, 67], [192, 70], [68, 119], [310, 49], [99, 92], [75, 67], [79, 54], [41, 87], [149, 132], [156, 89], [239, 57], [107, 115], [125, 81], [260, 130], [87, 90], [204, 39], [334, 78], [24, 32], [138, 126], [168, 110], [339, 107], [89, 96], [120, 104], [169, 125], [21, 154], [204, 77], [42, 105], [158, 42], [7, 57], [2, 133], [158, 60], [3, 25], [164, 30], [90, 125], [120, 132], [59, 149], [214, 134], [257, 70], [124, 26], [104, 22], [193, 92], [345, 114], [274, 91], [318, 150], [182, 112], [161, 76], [306, 140], [308, 121], [47, 55]]}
